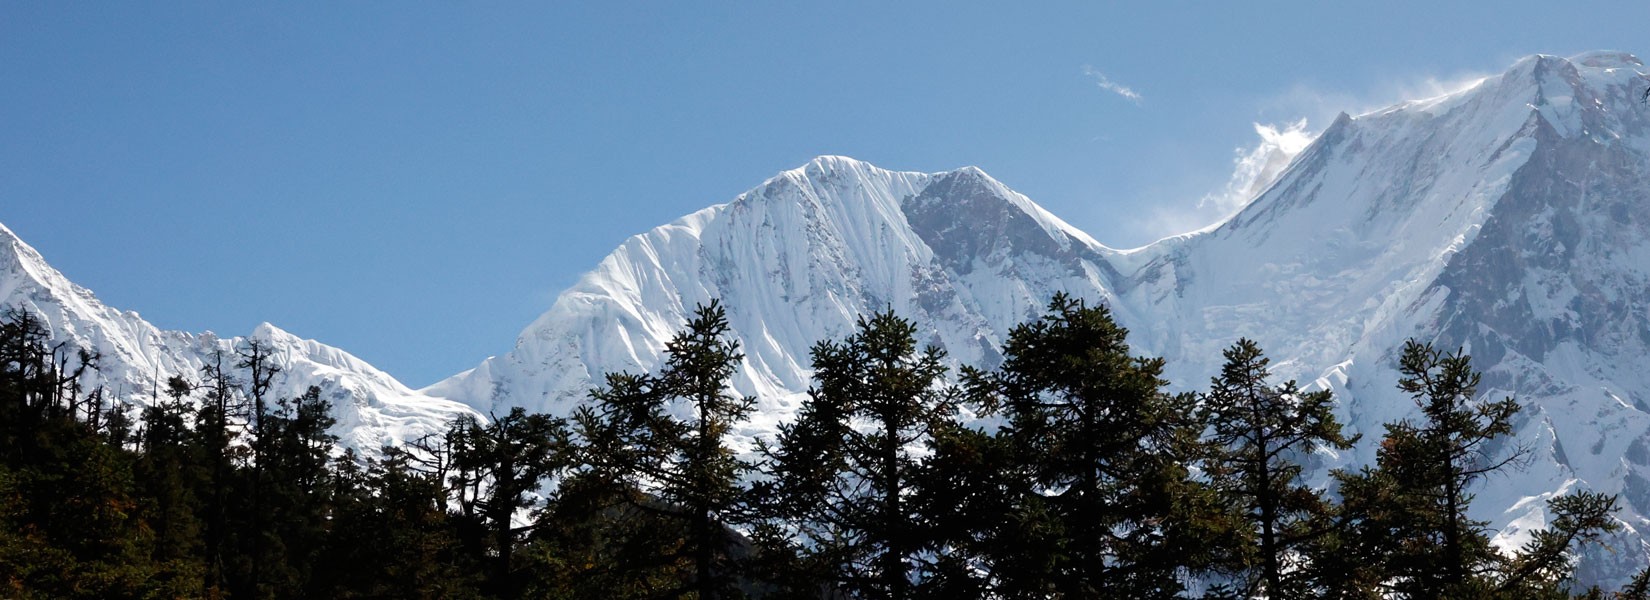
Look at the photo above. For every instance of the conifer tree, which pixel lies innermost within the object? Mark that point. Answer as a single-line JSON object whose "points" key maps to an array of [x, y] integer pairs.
{"points": [[1427, 468], [294, 501], [215, 421], [969, 489], [391, 536], [1406, 519], [169, 470], [1103, 452], [497, 470], [846, 470], [253, 358], [69, 508], [669, 435], [1258, 434]]}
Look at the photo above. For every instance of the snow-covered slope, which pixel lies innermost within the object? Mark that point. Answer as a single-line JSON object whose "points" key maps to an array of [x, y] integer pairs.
{"points": [[795, 261], [371, 407], [1512, 218]]}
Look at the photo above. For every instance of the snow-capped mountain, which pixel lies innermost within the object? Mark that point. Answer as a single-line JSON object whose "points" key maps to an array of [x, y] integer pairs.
{"points": [[1512, 218], [372, 408], [795, 261]]}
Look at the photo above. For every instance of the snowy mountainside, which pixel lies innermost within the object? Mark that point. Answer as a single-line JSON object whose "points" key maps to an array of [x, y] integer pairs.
{"points": [[1509, 218], [798, 260], [372, 408]]}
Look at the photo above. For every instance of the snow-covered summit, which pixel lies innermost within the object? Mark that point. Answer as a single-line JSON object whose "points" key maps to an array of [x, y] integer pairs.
{"points": [[1511, 217], [796, 260], [372, 408], [1607, 59]]}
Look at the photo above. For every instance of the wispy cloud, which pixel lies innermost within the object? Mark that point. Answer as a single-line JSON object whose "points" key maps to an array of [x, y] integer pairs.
{"points": [[1114, 87], [1254, 169]]}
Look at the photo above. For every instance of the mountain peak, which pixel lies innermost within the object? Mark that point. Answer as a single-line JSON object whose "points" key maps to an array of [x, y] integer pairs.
{"points": [[828, 166], [832, 162], [372, 408], [268, 331], [1607, 59]]}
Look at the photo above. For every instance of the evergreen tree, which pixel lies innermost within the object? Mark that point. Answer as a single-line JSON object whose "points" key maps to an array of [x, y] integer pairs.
{"points": [[215, 437], [1107, 504], [497, 470], [70, 522], [390, 536], [294, 500], [253, 358], [1637, 589], [845, 471], [1258, 433], [169, 470], [1544, 566], [602, 539], [1425, 470], [1407, 518], [668, 434], [969, 488]]}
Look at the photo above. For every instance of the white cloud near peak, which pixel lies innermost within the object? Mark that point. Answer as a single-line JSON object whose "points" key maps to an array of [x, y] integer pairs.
{"points": [[1257, 167], [1254, 169]]}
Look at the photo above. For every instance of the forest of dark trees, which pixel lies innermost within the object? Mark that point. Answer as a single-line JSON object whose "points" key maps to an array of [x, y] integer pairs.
{"points": [[1067, 471]]}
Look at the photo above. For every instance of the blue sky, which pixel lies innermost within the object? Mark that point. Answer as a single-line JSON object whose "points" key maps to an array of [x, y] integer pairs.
{"points": [[414, 182]]}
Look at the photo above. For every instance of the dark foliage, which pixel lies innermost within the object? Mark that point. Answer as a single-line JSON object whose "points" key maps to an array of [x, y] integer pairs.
{"points": [[1097, 484]]}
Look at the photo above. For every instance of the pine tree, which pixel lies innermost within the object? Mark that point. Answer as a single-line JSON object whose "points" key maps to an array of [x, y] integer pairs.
{"points": [[602, 539], [215, 437], [497, 470], [390, 535], [1407, 518], [253, 358], [846, 470], [1259, 433], [1544, 565], [968, 489], [294, 501], [1430, 465], [686, 464], [170, 471], [1109, 506], [70, 523]]}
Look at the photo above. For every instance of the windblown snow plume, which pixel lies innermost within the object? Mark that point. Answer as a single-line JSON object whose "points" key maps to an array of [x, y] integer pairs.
{"points": [[1256, 168]]}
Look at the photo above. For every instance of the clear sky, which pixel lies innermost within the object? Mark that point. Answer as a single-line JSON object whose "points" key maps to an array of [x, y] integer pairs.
{"points": [[415, 181]]}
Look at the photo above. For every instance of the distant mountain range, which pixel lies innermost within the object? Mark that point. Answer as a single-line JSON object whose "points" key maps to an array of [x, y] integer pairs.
{"points": [[1511, 218]]}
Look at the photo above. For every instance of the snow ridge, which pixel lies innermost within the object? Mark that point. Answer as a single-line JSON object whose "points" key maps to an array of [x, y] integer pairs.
{"points": [[371, 407], [797, 260]]}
